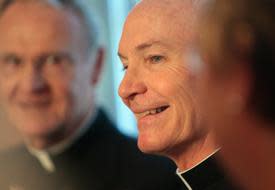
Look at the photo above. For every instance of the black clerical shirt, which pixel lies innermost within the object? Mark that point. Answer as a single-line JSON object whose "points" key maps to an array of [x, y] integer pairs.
{"points": [[206, 176]]}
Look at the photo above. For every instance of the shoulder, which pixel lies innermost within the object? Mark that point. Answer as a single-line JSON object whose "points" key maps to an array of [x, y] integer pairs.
{"points": [[13, 153], [16, 157], [13, 162]]}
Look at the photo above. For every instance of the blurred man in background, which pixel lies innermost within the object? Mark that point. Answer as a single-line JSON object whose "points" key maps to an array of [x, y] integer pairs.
{"points": [[159, 88], [237, 87], [50, 62]]}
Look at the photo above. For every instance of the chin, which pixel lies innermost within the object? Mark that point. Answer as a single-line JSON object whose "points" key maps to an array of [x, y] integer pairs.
{"points": [[150, 146], [38, 130]]}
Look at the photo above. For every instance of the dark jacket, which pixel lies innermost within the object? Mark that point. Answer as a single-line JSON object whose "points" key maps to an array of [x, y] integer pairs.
{"points": [[102, 159], [208, 175]]}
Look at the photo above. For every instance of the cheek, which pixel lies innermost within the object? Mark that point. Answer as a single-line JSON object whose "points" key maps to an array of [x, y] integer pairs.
{"points": [[62, 89], [75, 90], [171, 82], [177, 86], [182, 92], [8, 87]]}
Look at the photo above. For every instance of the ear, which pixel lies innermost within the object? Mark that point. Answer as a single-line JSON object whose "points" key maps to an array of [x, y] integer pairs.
{"points": [[98, 65]]}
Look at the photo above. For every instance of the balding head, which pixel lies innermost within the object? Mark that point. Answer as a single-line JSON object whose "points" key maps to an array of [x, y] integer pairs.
{"points": [[176, 17], [83, 12]]}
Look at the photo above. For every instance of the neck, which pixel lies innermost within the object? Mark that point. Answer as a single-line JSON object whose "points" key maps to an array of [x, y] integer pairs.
{"points": [[46, 141], [62, 134], [51, 140], [193, 154]]}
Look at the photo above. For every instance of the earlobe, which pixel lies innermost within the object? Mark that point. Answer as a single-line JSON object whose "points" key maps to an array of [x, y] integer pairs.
{"points": [[98, 65]]}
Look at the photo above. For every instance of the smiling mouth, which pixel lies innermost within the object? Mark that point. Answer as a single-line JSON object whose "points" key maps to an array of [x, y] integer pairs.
{"points": [[152, 112], [34, 104]]}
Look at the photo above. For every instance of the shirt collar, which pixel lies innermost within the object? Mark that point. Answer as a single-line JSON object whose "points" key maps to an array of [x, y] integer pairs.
{"points": [[66, 143], [44, 156], [201, 174]]}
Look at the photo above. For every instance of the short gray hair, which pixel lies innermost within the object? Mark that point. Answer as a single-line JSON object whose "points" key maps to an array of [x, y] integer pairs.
{"points": [[79, 8]]}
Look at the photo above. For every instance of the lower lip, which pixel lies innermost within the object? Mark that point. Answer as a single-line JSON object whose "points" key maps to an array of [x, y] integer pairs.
{"points": [[151, 119]]}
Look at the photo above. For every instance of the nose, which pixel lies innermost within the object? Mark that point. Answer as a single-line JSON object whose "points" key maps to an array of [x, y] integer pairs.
{"points": [[33, 80], [131, 85]]}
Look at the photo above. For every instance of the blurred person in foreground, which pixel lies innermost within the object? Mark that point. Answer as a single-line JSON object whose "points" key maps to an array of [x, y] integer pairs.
{"points": [[50, 62], [158, 87], [237, 86]]}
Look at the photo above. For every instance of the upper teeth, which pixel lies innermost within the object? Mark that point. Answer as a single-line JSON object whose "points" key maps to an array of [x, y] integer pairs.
{"points": [[154, 111], [150, 112]]}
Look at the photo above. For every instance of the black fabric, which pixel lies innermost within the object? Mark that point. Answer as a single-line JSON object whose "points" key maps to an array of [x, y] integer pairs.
{"points": [[102, 159], [207, 176]]}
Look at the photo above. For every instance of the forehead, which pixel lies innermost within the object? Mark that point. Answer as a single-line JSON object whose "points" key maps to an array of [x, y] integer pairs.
{"points": [[163, 22], [32, 10], [35, 20]]}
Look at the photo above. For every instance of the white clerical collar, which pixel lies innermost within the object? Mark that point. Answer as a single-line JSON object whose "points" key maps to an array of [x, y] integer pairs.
{"points": [[44, 156], [179, 173], [44, 159]]}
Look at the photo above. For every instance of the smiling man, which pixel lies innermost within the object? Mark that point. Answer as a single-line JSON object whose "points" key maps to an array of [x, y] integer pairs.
{"points": [[159, 87], [50, 62]]}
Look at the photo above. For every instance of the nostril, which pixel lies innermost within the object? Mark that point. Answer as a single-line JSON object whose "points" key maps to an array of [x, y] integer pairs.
{"points": [[132, 96], [34, 83]]}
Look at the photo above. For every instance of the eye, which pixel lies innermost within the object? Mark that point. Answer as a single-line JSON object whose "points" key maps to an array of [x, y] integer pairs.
{"points": [[54, 60], [11, 60], [124, 67], [56, 63], [156, 58]]}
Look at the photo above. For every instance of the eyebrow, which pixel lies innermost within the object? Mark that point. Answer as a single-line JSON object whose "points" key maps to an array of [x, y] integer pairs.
{"points": [[5, 4], [147, 45], [62, 54], [122, 56]]}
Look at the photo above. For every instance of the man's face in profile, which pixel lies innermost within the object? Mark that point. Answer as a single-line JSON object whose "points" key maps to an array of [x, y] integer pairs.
{"points": [[158, 83], [45, 77]]}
